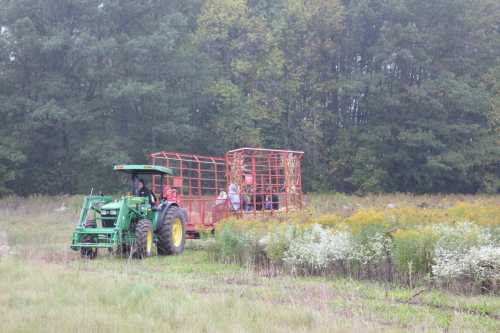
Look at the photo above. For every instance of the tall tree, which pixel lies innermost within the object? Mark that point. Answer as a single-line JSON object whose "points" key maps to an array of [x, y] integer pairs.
{"points": [[382, 95]]}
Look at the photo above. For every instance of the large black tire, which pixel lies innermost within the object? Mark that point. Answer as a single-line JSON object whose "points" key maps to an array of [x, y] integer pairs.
{"points": [[143, 239], [89, 252], [171, 239]]}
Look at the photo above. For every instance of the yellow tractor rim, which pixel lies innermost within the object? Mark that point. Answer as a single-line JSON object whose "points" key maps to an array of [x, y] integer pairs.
{"points": [[149, 242], [177, 232]]}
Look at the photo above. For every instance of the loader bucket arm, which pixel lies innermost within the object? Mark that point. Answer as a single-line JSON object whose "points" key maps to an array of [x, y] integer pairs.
{"points": [[88, 205]]}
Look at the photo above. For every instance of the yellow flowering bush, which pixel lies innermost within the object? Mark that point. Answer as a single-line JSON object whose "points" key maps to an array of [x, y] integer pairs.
{"points": [[414, 216], [368, 219], [481, 213]]}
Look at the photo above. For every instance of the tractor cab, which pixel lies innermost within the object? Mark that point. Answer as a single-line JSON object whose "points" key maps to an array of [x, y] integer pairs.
{"points": [[136, 171], [147, 202]]}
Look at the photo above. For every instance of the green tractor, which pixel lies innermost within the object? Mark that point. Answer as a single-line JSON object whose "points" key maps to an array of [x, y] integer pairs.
{"points": [[132, 225]]}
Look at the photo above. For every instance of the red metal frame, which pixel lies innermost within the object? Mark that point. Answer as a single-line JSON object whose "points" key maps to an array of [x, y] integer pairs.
{"points": [[255, 181], [198, 181], [276, 179]]}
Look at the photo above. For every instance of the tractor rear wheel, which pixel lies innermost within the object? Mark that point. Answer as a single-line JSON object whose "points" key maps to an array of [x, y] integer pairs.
{"points": [[143, 246], [172, 232]]}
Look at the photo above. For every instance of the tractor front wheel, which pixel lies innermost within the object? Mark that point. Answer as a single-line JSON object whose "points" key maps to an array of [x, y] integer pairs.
{"points": [[143, 246], [123, 250], [172, 232], [89, 252]]}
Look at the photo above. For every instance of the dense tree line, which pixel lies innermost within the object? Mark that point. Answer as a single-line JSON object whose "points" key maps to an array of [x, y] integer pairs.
{"points": [[382, 95]]}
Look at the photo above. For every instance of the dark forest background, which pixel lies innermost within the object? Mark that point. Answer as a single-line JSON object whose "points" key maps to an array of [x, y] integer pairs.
{"points": [[382, 95]]}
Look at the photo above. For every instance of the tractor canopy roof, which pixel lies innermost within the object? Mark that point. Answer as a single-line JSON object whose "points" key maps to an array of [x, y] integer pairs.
{"points": [[143, 169]]}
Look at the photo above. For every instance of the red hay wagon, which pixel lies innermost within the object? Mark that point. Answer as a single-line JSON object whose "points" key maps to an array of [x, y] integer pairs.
{"points": [[246, 181]]}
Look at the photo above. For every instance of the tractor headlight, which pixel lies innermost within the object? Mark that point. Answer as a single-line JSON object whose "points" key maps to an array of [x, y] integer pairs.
{"points": [[104, 212], [112, 212]]}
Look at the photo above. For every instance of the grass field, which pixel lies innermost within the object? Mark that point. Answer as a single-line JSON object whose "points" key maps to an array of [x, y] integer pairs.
{"points": [[44, 287]]}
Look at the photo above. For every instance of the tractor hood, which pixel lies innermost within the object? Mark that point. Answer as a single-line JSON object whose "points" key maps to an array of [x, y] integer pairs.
{"points": [[112, 205]]}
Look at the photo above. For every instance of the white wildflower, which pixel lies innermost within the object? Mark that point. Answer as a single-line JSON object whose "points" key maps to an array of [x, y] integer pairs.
{"points": [[483, 263], [372, 249], [318, 247], [466, 251]]}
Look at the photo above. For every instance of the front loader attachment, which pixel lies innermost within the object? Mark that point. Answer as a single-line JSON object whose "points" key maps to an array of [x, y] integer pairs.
{"points": [[94, 238], [87, 234], [105, 223]]}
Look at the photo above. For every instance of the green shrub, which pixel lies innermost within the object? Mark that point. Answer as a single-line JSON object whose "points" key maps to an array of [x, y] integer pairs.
{"points": [[231, 246], [412, 250]]}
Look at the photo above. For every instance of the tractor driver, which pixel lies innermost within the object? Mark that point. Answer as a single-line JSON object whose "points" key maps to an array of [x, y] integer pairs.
{"points": [[143, 191]]}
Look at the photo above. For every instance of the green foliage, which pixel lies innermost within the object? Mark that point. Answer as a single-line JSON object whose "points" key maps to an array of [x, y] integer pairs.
{"points": [[382, 95], [231, 246], [413, 250]]}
